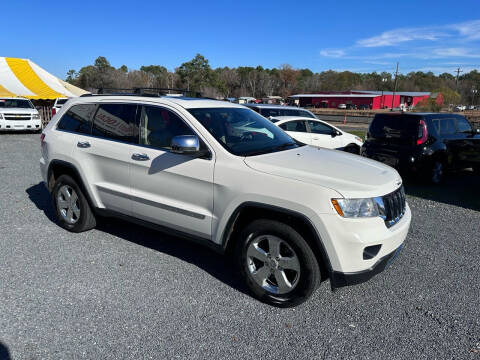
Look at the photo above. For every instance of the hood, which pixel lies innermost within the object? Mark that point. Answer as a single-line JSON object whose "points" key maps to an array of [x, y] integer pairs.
{"points": [[351, 175], [18, 111]]}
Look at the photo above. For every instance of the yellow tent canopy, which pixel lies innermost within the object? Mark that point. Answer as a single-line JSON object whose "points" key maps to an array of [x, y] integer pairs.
{"points": [[22, 77]]}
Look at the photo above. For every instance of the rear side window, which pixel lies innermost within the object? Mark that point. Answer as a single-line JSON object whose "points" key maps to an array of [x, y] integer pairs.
{"points": [[463, 126], [116, 122], [397, 126], [444, 126], [78, 119], [298, 126], [270, 112]]}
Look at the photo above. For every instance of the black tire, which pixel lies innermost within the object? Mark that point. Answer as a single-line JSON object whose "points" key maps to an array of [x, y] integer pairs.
{"points": [[352, 149], [436, 172], [307, 280], [86, 219]]}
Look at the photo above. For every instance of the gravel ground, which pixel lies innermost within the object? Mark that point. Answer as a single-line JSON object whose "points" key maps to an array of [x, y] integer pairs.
{"points": [[122, 291]]}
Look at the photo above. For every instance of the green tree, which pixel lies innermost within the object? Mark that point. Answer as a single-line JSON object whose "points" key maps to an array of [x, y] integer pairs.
{"points": [[71, 76], [450, 96], [196, 73], [156, 70]]}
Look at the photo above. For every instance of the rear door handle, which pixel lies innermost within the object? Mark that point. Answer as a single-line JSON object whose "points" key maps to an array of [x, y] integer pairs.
{"points": [[140, 157], [83, 144]]}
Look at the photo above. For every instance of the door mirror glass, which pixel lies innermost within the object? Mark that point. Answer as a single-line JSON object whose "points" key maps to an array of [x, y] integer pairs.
{"points": [[335, 133], [185, 144]]}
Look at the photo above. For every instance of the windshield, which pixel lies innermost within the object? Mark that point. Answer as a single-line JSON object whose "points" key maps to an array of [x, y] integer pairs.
{"points": [[16, 103], [243, 132]]}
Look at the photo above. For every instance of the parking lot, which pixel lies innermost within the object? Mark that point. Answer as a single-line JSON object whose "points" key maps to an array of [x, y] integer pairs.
{"points": [[123, 291]]}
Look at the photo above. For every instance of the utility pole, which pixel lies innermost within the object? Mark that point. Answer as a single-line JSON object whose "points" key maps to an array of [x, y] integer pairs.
{"points": [[456, 79], [395, 86]]}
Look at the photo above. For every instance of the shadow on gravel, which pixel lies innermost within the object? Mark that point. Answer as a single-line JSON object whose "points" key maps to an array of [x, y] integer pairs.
{"points": [[4, 353], [39, 195], [460, 189], [218, 265], [215, 264]]}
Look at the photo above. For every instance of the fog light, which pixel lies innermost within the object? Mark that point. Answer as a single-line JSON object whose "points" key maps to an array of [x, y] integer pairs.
{"points": [[371, 251]]}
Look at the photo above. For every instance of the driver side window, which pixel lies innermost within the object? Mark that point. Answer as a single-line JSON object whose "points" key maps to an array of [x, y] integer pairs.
{"points": [[158, 126], [317, 127]]}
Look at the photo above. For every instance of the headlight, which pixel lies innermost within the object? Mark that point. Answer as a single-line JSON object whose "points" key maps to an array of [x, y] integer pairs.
{"points": [[358, 208], [36, 117], [359, 139]]}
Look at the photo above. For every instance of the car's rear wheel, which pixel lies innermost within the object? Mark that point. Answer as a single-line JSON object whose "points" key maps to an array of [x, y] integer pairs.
{"points": [[277, 264], [436, 174], [73, 210]]}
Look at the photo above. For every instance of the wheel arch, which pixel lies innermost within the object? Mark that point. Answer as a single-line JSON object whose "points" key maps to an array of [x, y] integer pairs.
{"points": [[58, 168], [249, 211]]}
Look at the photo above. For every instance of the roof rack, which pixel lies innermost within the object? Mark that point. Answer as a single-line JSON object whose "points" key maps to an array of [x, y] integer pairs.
{"points": [[150, 92]]}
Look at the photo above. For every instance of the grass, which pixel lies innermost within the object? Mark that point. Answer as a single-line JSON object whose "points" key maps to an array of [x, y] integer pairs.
{"points": [[360, 133]]}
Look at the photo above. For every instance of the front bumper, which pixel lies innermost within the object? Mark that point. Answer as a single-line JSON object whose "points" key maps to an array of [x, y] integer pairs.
{"points": [[340, 279], [20, 125], [348, 241]]}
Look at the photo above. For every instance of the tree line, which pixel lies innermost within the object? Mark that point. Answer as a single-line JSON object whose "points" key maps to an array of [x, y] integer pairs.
{"points": [[258, 82]]}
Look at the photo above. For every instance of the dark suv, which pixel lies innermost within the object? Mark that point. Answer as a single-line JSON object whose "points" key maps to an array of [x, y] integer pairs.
{"points": [[425, 143]]}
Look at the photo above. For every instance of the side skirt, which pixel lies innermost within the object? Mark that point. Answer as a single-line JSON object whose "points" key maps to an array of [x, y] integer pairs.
{"points": [[166, 230]]}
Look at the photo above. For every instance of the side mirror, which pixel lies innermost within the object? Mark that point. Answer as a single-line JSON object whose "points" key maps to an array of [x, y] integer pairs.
{"points": [[185, 144], [335, 133]]}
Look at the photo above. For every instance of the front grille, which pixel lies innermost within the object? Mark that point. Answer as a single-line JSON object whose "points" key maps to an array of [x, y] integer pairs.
{"points": [[17, 116], [395, 206]]}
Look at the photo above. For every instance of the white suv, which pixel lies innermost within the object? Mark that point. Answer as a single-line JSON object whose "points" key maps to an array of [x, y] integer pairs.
{"points": [[19, 114], [220, 173]]}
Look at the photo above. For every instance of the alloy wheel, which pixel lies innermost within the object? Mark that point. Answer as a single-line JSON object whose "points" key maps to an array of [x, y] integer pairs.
{"points": [[273, 264], [68, 204]]}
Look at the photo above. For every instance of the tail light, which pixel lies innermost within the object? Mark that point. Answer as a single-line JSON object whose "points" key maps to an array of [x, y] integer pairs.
{"points": [[42, 138], [422, 133], [54, 111]]}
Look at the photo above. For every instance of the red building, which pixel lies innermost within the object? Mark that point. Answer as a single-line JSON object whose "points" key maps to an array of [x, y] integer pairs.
{"points": [[371, 99]]}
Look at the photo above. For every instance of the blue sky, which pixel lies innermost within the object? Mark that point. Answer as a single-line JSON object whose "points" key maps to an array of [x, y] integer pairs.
{"points": [[361, 36]]}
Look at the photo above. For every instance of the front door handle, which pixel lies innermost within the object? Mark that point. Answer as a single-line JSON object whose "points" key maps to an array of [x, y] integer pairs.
{"points": [[83, 144], [140, 157]]}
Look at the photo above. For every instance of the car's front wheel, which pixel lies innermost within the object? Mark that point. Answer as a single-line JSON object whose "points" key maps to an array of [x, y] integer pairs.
{"points": [[277, 264], [73, 210]]}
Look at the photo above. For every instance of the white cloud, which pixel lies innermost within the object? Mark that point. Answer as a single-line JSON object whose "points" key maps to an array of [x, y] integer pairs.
{"points": [[466, 31], [455, 52], [397, 36], [333, 53], [470, 29]]}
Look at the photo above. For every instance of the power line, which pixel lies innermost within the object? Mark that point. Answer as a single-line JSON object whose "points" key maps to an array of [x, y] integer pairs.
{"points": [[395, 85], [456, 79]]}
